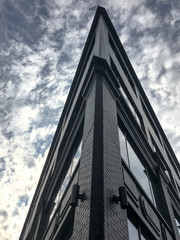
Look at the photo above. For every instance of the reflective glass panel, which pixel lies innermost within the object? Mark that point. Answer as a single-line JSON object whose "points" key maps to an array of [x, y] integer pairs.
{"points": [[123, 148], [137, 118], [133, 231], [76, 157], [178, 225], [66, 181], [142, 237], [139, 171], [54, 208]]}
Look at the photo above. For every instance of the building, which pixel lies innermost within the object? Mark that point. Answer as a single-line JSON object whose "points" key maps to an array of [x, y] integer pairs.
{"points": [[110, 172]]}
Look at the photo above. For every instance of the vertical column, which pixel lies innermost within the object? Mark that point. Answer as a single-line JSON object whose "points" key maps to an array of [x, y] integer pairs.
{"points": [[100, 176], [96, 230], [115, 218], [88, 222]]}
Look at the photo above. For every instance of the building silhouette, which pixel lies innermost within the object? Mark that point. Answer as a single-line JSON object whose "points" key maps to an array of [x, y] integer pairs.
{"points": [[110, 172]]}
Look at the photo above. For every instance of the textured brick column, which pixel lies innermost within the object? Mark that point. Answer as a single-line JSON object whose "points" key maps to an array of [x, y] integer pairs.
{"points": [[115, 218], [88, 223], [100, 176]]}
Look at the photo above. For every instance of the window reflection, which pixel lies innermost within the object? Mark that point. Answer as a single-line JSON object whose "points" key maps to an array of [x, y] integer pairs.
{"points": [[133, 231], [139, 170], [133, 162], [178, 225], [142, 238], [67, 178], [76, 158], [123, 147], [130, 106]]}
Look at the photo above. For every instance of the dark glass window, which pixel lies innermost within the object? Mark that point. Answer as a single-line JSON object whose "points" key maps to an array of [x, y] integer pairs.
{"points": [[176, 186], [136, 232], [149, 117], [142, 238], [172, 161], [76, 158], [122, 63], [130, 106], [67, 178], [177, 220], [178, 225], [129, 156], [123, 147], [133, 231]]}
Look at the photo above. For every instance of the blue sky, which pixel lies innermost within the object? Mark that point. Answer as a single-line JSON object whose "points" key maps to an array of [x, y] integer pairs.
{"points": [[40, 46]]}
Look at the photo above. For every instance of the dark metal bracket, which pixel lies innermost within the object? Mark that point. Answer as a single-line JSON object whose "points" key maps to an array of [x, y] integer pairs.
{"points": [[122, 198], [75, 196]]}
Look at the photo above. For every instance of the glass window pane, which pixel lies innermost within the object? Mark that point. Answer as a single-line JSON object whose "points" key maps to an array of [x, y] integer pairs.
{"points": [[133, 231], [56, 202], [142, 237], [137, 118], [67, 178], [178, 225], [123, 148], [66, 181], [127, 100], [139, 171], [76, 157]]}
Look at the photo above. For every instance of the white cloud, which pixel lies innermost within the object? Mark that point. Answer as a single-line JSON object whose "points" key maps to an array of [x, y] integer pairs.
{"points": [[24, 117], [144, 19], [125, 5]]}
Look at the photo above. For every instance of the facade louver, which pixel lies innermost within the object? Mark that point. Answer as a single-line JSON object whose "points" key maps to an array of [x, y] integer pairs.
{"points": [[110, 173]]}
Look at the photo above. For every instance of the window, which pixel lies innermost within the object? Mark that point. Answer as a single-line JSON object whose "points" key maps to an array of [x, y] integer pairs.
{"points": [[122, 63], [149, 117], [135, 232], [172, 160], [130, 106], [153, 144], [114, 68], [178, 225], [177, 186], [66, 230], [76, 158], [140, 172], [90, 48], [177, 220], [67, 178]]}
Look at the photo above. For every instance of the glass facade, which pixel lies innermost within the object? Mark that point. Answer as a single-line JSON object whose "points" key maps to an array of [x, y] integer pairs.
{"points": [[130, 106], [135, 232], [178, 225], [134, 163], [67, 178]]}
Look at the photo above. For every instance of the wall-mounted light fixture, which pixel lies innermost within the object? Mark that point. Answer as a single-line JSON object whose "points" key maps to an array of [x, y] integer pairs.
{"points": [[75, 196], [122, 198]]}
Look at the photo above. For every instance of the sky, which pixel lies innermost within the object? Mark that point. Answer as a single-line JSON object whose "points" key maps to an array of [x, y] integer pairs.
{"points": [[41, 43]]}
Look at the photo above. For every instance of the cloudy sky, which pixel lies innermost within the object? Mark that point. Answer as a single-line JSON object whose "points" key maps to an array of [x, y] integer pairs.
{"points": [[41, 43]]}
